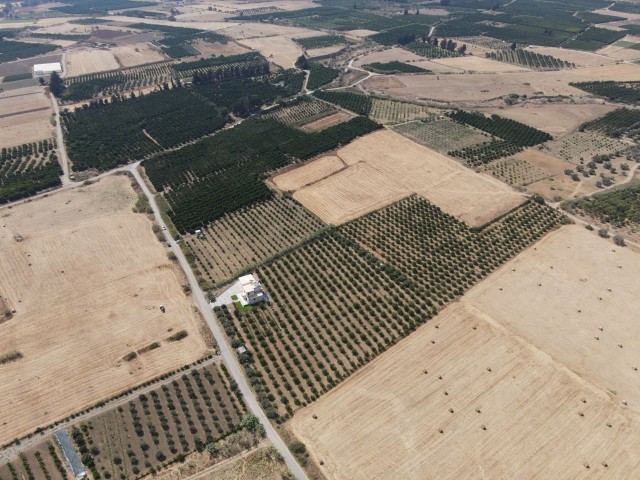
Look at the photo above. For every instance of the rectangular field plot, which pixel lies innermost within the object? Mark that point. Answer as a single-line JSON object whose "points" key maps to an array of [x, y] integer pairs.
{"points": [[335, 305], [198, 407], [464, 398], [443, 135], [389, 112], [46, 460], [249, 236], [583, 145], [302, 112], [516, 171]]}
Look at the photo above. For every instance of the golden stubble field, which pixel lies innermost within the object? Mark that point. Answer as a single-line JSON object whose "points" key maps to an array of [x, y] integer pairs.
{"points": [[383, 167], [510, 382], [82, 62], [25, 116], [486, 86], [86, 284]]}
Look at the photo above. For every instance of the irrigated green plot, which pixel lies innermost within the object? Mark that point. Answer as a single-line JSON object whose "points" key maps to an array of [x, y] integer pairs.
{"points": [[443, 134]]}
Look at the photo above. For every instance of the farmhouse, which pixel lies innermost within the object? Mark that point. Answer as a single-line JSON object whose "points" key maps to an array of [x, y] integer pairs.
{"points": [[252, 291], [42, 69]]}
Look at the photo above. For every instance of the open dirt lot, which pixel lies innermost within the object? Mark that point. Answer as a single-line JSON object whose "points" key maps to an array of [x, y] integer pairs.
{"points": [[251, 30], [554, 118], [136, 54], [86, 283], [485, 86], [468, 399], [25, 116], [360, 33], [81, 62], [384, 166], [479, 64], [280, 50], [214, 49]]}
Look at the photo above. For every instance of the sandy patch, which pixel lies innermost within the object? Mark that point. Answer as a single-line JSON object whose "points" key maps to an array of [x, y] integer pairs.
{"points": [[280, 50], [67, 28], [468, 399], [391, 167], [210, 26], [81, 62], [554, 118], [49, 41], [136, 54], [214, 49], [541, 160], [328, 121], [308, 173], [28, 116], [250, 30], [479, 64], [580, 59], [86, 282], [485, 86], [321, 52]]}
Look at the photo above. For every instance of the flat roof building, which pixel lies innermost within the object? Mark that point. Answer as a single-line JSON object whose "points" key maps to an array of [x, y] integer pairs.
{"points": [[252, 291], [41, 69]]}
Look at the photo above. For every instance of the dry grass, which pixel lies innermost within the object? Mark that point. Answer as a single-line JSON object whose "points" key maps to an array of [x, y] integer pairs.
{"points": [[464, 398], [328, 121], [580, 59], [384, 166], [81, 62], [215, 49], [554, 118], [280, 50], [479, 64], [136, 54], [30, 118], [308, 173], [86, 282]]}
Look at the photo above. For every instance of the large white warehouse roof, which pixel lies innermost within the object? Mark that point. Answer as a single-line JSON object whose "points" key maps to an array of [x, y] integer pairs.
{"points": [[46, 68]]}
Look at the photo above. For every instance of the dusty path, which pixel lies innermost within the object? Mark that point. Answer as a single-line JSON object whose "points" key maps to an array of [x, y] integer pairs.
{"points": [[12, 452], [62, 149], [226, 351]]}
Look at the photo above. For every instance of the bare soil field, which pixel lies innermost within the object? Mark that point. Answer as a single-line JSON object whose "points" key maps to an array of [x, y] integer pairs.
{"points": [[214, 49], [251, 30], [463, 397], [308, 173], [527, 167], [554, 118], [136, 54], [384, 166], [619, 52], [81, 62], [26, 116], [580, 59], [485, 86], [86, 284], [66, 28], [388, 55], [280, 50], [321, 52], [360, 33], [479, 64], [328, 121]]}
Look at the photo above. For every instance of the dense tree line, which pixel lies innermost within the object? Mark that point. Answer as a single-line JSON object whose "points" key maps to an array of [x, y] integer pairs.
{"points": [[624, 92], [320, 75], [505, 128], [223, 173], [360, 104]]}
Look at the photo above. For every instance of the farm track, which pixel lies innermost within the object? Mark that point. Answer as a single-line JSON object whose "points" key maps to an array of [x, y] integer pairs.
{"points": [[226, 351], [12, 452]]}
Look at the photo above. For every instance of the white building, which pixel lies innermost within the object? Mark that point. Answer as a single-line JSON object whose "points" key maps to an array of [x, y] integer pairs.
{"points": [[41, 69], [252, 291]]}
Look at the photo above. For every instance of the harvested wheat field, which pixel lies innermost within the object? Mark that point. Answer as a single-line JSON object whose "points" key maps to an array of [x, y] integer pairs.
{"points": [[554, 118], [215, 49], [479, 64], [485, 86], [462, 397], [136, 54], [26, 116], [308, 173], [328, 121], [86, 284], [384, 166], [252, 30], [81, 62], [579, 283], [280, 50]]}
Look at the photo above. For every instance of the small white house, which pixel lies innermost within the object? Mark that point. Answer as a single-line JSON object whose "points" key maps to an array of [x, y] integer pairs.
{"points": [[252, 291], [42, 69]]}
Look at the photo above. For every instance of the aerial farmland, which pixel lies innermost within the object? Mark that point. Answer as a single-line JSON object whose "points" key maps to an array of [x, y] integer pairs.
{"points": [[319, 240]]}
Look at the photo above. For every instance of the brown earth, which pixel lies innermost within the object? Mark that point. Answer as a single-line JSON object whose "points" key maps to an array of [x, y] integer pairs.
{"points": [[328, 121], [81, 62], [25, 116], [86, 282], [136, 54], [308, 173]]}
